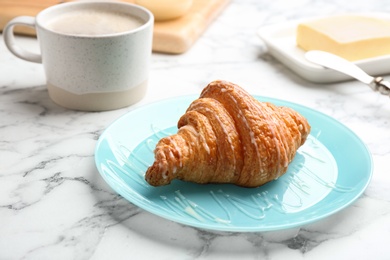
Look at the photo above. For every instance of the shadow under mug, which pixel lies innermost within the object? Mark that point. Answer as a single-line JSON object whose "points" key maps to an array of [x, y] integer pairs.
{"points": [[90, 72]]}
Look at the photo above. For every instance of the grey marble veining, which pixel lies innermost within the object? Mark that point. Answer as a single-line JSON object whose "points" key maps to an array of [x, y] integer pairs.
{"points": [[55, 205]]}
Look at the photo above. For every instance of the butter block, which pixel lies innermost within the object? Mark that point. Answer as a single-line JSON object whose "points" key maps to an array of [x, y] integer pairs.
{"points": [[349, 36]]}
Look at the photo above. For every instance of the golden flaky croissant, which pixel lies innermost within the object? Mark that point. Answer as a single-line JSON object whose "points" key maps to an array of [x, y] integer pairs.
{"points": [[227, 136]]}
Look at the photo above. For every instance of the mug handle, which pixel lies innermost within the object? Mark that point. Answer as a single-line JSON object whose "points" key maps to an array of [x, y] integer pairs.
{"points": [[9, 38]]}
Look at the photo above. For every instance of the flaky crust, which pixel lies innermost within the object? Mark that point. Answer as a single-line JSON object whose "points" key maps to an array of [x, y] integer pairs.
{"points": [[227, 136]]}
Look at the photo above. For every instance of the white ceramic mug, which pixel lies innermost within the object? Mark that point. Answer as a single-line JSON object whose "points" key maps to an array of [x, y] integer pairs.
{"points": [[90, 70]]}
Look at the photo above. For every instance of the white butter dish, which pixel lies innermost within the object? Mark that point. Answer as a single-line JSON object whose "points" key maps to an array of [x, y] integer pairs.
{"points": [[280, 40]]}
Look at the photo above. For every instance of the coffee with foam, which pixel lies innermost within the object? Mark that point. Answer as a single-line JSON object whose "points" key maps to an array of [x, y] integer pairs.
{"points": [[94, 22], [96, 55]]}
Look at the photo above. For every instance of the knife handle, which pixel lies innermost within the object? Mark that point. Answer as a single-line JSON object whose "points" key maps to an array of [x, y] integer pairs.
{"points": [[381, 85]]}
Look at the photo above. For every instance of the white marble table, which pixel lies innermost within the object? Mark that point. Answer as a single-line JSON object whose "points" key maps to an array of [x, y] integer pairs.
{"points": [[55, 205]]}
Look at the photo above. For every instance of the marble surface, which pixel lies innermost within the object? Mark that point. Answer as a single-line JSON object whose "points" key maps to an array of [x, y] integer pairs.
{"points": [[55, 205]]}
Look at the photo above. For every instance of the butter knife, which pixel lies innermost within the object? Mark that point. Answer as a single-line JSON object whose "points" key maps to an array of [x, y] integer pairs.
{"points": [[331, 61]]}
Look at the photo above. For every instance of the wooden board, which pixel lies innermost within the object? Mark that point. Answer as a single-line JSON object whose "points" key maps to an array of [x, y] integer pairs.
{"points": [[174, 36]]}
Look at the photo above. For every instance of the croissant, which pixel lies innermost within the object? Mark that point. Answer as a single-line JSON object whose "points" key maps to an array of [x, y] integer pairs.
{"points": [[227, 136]]}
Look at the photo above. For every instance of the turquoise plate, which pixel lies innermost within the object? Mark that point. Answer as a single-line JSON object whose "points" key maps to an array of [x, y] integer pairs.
{"points": [[329, 172]]}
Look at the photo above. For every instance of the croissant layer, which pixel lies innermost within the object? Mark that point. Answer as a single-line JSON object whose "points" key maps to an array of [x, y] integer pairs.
{"points": [[227, 136]]}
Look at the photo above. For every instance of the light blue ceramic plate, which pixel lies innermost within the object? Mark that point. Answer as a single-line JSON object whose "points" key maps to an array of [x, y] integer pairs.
{"points": [[329, 172]]}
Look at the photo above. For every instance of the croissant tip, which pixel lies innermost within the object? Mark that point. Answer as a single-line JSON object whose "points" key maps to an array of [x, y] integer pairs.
{"points": [[155, 177]]}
